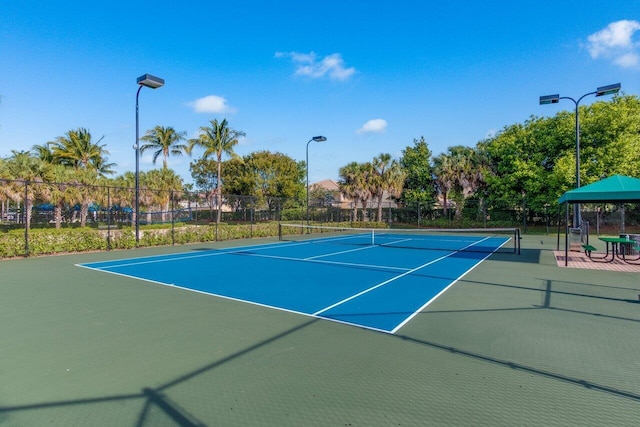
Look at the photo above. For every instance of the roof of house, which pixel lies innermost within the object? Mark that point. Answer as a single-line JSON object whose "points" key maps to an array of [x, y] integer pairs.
{"points": [[327, 184]]}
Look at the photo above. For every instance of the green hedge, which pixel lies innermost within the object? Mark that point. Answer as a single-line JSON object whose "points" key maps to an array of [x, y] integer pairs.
{"points": [[43, 241], [68, 240]]}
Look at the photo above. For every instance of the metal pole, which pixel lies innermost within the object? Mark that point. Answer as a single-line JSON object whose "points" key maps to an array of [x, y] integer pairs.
{"points": [[173, 226], [577, 220], [307, 163], [108, 218], [137, 148], [27, 221]]}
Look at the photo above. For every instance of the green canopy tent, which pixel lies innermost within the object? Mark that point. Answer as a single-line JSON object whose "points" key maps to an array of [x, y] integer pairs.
{"points": [[615, 189]]}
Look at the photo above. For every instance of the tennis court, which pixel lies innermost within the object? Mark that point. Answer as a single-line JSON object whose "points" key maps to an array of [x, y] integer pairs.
{"points": [[365, 277], [516, 340]]}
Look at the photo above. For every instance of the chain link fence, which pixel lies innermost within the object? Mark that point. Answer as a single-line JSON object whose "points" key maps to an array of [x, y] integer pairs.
{"points": [[43, 217]]}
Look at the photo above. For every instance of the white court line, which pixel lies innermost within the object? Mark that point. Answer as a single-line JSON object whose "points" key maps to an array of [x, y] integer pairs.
{"points": [[425, 305], [213, 252], [127, 275], [338, 253], [394, 279], [319, 261]]}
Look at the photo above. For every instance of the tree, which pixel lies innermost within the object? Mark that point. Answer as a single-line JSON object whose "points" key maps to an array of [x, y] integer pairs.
{"points": [[419, 185], [64, 191], [388, 177], [356, 182], [25, 172], [348, 185], [216, 140], [165, 141], [76, 149], [275, 176], [159, 186], [444, 178]]}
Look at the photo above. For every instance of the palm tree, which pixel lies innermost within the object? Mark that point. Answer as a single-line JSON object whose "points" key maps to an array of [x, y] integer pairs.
{"points": [[388, 176], [365, 184], [444, 178], [161, 185], [218, 139], [393, 179], [76, 149], [165, 141], [348, 184], [24, 170], [64, 191], [356, 182], [380, 165]]}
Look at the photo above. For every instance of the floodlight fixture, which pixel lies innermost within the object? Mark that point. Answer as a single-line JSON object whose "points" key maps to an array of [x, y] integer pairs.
{"points": [[150, 81], [608, 90], [549, 99]]}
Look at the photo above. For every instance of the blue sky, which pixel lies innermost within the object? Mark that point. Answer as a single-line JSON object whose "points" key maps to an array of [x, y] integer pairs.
{"points": [[369, 75]]}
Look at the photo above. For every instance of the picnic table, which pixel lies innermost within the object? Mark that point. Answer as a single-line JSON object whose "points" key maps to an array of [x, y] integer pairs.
{"points": [[618, 247]]}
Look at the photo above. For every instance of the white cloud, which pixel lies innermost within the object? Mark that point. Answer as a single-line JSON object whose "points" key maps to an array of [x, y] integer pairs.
{"points": [[629, 60], [373, 126], [308, 65], [211, 104], [616, 42]]}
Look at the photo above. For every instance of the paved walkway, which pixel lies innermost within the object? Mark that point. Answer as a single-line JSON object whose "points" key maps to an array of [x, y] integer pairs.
{"points": [[580, 260]]}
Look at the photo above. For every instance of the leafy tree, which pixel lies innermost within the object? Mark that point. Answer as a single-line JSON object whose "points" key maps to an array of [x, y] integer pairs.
{"points": [[419, 185], [275, 175]]}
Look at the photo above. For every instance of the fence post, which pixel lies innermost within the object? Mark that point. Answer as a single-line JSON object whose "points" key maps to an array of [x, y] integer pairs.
{"points": [[108, 218], [173, 236], [251, 217], [26, 219]]}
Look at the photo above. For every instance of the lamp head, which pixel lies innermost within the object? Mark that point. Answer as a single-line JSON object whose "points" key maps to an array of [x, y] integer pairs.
{"points": [[319, 138], [608, 90], [549, 99], [150, 81]]}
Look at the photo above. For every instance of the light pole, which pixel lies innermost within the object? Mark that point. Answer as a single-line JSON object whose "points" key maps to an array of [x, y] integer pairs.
{"points": [[554, 99], [316, 139], [146, 80]]}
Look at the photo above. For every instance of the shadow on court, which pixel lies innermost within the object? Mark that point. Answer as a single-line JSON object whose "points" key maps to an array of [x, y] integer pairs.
{"points": [[157, 408], [518, 343]]}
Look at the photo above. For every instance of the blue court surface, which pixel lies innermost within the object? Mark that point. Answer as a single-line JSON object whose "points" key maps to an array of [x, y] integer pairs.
{"points": [[375, 286]]}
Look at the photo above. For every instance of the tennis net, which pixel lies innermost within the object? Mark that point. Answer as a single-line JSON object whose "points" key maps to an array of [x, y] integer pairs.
{"points": [[486, 240]]}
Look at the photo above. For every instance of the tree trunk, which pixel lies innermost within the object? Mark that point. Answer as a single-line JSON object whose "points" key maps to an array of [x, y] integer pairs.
{"points": [[57, 213]]}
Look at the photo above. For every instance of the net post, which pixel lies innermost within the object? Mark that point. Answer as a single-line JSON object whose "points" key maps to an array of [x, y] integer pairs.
{"points": [[280, 231], [517, 247]]}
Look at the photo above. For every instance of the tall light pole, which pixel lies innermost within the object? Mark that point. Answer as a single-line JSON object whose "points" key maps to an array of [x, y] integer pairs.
{"points": [[146, 80], [316, 139], [554, 99]]}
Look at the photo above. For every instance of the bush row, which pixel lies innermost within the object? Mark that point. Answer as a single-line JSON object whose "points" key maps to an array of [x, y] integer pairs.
{"points": [[68, 240]]}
